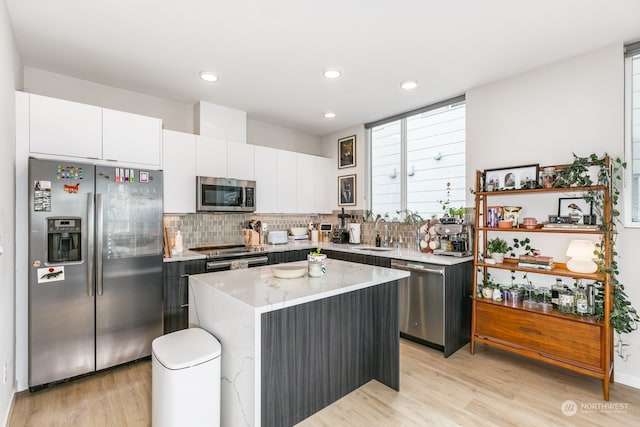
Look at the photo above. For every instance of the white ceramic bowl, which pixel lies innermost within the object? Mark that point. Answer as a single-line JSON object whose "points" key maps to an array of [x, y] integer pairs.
{"points": [[298, 231], [289, 271]]}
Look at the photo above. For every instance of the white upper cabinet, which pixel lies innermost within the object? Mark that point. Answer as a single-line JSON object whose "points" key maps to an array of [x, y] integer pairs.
{"points": [[240, 160], [266, 177], [306, 179], [286, 176], [179, 180], [64, 128], [131, 138], [211, 157], [69, 129], [326, 185]]}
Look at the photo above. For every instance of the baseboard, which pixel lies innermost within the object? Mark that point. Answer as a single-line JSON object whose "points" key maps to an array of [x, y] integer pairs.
{"points": [[7, 415], [626, 379]]}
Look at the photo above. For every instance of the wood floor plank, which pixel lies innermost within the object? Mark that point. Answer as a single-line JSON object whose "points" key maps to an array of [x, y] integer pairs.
{"points": [[490, 388]]}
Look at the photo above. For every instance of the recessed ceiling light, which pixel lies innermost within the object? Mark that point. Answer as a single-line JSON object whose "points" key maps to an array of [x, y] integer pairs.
{"points": [[329, 115], [332, 73], [409, 84], [208, 76]]}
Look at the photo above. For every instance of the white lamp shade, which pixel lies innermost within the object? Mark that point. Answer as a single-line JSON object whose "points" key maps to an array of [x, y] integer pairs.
{"points": [[581, 254]]}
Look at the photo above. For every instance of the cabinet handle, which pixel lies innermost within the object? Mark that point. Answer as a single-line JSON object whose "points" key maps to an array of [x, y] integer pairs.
{"points": [[529, 331], [184, 275], [184, 305]]}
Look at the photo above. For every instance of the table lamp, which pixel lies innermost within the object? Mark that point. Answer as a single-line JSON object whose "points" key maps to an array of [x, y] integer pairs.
{"points": [[581, 254]]}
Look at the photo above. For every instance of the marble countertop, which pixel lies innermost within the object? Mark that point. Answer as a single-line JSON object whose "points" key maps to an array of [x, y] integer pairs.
{"points": [[402, 253], [261, 290]]}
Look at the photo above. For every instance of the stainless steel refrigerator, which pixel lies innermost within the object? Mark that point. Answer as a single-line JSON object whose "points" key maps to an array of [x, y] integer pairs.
{"points": [[95, 267]]}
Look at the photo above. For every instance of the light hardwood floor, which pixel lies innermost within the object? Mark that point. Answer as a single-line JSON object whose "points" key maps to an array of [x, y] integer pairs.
{"points": [[492, 388]]}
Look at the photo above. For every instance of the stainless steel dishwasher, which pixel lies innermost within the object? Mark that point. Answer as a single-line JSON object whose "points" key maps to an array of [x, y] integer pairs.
{"points": [[421, 303]]}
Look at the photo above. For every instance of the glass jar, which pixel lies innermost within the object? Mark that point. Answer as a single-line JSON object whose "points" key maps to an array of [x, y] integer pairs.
{"points": [[565, 301]]}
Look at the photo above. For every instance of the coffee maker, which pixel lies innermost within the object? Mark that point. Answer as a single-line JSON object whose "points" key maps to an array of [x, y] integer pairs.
{"points": [[454, 239]]}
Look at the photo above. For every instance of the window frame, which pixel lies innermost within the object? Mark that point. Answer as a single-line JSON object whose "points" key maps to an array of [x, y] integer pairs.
{"points": [[630, 51], [403, 146]]}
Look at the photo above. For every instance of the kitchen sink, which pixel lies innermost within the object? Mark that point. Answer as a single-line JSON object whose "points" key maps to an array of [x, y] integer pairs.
{"points": [[372, 248]]}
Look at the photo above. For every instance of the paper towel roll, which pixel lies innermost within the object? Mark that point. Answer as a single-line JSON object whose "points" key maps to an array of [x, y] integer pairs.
{"points": [[314, 236]]}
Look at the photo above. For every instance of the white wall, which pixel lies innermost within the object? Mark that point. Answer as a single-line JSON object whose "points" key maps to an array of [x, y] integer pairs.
{"points": [[542, 117], [259, 133], [329, 146], [10, 79], [175, 115]]}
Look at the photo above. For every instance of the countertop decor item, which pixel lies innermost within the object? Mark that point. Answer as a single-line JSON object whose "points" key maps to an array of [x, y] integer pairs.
{"points": [[289, 271]]}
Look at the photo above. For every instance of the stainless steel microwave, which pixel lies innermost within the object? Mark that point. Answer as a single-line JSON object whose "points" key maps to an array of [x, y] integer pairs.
{"points": [[225, 195]]}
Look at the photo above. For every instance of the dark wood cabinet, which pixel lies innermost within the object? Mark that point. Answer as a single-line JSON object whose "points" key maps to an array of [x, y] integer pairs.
{"points": [[176, 292]]}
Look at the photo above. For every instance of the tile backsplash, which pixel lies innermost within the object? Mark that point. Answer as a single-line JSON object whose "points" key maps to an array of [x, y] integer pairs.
{"points": [[208, 228]]}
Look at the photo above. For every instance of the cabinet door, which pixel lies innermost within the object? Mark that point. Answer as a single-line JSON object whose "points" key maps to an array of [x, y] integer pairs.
{"points": [[306, 188], [326, 185], [211, 157], [179, 160], [266, 177], [131, 138], [64, 128], [240, 161], [286, 181]]}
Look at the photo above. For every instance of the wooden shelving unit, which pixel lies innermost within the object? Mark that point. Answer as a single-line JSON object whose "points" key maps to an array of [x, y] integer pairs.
{"points": [[579, 343]]}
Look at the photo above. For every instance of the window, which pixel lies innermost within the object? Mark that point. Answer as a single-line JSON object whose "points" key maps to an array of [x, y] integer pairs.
{"points": [[418, 160], [632, 134]]}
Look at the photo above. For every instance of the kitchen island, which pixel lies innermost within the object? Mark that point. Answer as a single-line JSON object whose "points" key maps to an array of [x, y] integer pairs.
{"points": [[290, 347]]}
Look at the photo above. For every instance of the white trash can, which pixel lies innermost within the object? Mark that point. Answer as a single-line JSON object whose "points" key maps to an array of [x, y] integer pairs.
{"points": [[185, 379]]}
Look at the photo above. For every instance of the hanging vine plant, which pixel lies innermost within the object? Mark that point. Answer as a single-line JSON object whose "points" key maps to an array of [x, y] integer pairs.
{"points": [[624, 317]]}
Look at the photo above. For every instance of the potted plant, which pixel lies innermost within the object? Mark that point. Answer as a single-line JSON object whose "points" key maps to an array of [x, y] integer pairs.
{"points": [[497, 248], [487, 287], [317, 263]]}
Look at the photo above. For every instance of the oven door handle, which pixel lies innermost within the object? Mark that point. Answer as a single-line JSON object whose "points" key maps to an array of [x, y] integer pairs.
{"points": [[219, 264], [258, 260], [226, 264]]}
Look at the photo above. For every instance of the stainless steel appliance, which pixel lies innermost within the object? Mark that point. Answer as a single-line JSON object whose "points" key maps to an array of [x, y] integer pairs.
{"points": [[95, 272], [421, 303], [225, 195], [454, 239], [230, 256]]}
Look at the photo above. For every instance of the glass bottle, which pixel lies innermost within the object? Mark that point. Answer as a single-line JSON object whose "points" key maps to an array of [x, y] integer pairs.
{"points": [[582, 306]]}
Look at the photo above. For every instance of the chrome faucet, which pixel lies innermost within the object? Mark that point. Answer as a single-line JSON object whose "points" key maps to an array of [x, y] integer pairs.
{"points": [[386, 231]]}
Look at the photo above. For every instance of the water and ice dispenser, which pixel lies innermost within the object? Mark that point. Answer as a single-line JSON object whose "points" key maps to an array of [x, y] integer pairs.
{"points": [[64, 240]]}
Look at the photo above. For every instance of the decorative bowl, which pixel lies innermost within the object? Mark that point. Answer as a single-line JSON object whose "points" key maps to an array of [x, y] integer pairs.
{"points": [[289, 271], [507, 223], [298, 231]]}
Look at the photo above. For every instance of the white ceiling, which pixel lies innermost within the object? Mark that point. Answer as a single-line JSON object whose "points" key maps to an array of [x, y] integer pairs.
{"points": [[270, 54]]}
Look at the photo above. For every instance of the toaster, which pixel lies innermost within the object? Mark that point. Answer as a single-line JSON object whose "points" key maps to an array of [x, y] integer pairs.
{"points": [[277, 237]]}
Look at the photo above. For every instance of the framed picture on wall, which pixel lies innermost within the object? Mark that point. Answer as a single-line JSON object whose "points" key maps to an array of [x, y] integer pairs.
{"points": [[347, 190], [347, 152]]}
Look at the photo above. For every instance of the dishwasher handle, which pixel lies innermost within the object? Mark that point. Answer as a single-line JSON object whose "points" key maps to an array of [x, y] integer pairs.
{"points": [[410, 266]]}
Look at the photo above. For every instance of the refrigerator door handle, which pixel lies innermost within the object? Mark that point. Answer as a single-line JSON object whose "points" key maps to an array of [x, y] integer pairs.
{"points": [[90, 240], [99, 239]]}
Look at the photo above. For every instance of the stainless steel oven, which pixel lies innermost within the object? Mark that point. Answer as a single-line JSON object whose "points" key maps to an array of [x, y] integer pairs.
{"points": [[225, 195]]}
